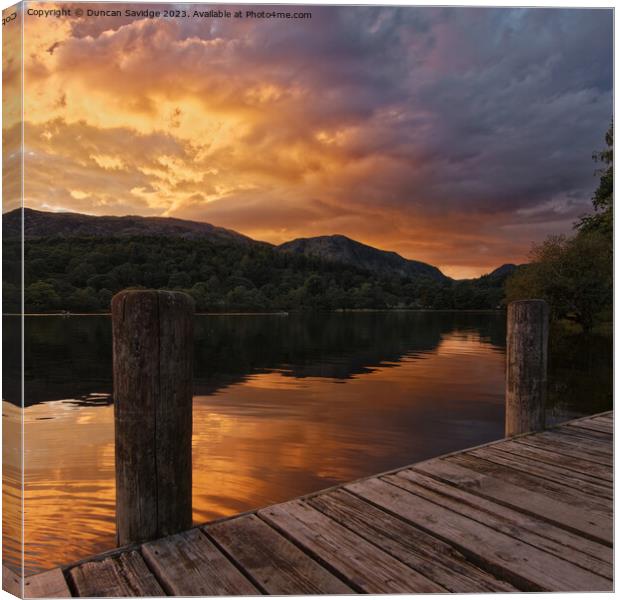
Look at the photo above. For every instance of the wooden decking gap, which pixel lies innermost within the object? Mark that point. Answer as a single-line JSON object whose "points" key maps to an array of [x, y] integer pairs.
{"points": [[530, 513]]}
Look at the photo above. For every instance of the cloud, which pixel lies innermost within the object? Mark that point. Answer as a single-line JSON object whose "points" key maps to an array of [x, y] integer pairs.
{"points": [[405, 127]]}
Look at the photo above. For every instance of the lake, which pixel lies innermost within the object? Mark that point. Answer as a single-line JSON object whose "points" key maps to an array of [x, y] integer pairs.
{"points": [[283, 405]]}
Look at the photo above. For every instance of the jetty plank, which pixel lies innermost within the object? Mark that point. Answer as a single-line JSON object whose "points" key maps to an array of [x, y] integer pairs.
{"points": [[421, 551], [365, 566], [188, 564], [583, 441], [589, 434], [550, 490], [598, 426], [49, 584], [556, 474], [561, 446], [123, 575], [524, 566], [539, 455], [276, 564], [604, 417], [593, 525], [565, 544]]}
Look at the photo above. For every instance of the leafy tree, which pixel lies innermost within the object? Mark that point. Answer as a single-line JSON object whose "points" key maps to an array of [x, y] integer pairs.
{"points": [[84, 300], [179, 281], [574, 275], [81, 274], [40, 296], [100, 282], [602, 218]]}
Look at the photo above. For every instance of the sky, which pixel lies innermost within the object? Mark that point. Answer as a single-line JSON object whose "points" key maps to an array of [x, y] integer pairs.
{"points": [[455, 136]]}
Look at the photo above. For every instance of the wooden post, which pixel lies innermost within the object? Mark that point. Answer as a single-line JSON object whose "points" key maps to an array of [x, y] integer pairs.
{"points": [[152, 361], [526, 366]]}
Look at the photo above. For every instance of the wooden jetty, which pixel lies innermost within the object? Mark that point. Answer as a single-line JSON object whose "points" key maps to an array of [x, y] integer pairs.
{"points": [[530, 513]]}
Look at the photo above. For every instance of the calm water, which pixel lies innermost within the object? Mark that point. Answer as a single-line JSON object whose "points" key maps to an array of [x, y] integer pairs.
{"points": [[283, 406]]}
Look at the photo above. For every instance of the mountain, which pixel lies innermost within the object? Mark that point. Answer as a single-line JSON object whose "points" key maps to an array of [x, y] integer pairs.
{"points": [[503, 272], [339, 248], [335, 248], [76, 263], [38, 224]]}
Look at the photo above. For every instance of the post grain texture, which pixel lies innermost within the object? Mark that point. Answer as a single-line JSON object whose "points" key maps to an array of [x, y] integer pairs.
{"points": [[152, 362], [526, 366]]}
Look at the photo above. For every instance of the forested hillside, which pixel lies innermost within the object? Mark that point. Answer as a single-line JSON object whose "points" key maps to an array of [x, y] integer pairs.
{"points": [[82, 274]]}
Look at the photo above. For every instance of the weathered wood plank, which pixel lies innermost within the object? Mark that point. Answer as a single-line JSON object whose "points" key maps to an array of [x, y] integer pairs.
{"points": [[603, 418], [277, 565], [581, 439], [425, 553], [556, 474], [609, 414], [586, 447], [189, 564], [523, 565], [365, 567], [49, 584], [564, 544], [605, 422], [584, 467], [562, 447], [598, 426], [588, 434], [609, 417], [595, 525], [550, 490], [123, 575]]}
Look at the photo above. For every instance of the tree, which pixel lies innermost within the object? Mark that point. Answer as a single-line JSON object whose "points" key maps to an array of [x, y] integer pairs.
{"points": [[603, 200], [179, 280], [84, 299], [574, 275], [40, 296], [81, 274]]}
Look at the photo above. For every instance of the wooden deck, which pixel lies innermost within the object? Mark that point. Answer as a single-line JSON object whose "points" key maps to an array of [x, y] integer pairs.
{"points": [[532, 513]]}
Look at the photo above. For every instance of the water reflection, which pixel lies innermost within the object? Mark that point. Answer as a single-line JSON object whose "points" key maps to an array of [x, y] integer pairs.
{"points": [[282, 406], [72, 357], [11, 486]]}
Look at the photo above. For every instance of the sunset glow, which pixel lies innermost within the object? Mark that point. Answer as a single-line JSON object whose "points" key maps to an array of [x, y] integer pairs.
{"points": [[453, 136]]}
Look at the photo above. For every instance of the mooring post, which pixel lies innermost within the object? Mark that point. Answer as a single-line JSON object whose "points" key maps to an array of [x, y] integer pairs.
{"points": [[526, 366], [152, 363]]}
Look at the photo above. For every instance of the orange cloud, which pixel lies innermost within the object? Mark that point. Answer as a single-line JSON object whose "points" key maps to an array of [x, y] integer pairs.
{"points": [[346, 123]]}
